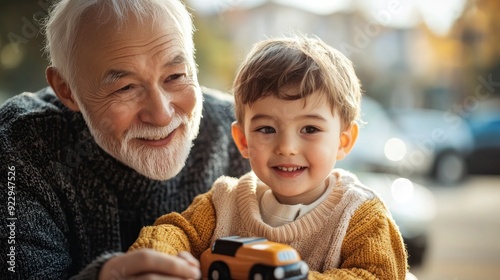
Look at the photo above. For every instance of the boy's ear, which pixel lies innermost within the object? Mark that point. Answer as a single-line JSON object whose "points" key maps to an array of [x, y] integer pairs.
{"points": [[61, 88], [239, 139], [347, 139]]}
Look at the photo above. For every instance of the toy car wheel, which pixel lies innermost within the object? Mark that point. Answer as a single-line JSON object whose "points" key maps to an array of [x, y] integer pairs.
{"points": [[260, 272], [218, 271], [257, 276]]}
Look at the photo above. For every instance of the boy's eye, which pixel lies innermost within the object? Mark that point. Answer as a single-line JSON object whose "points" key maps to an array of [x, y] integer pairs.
{"points": [[266, 130], [309, 129]]}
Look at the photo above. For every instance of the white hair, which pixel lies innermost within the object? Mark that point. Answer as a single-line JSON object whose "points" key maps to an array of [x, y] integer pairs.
{"points": [[65, 17]]}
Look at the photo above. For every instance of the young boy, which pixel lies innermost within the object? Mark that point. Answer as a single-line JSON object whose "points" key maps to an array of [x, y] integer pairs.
{"points": [[297, 103]]}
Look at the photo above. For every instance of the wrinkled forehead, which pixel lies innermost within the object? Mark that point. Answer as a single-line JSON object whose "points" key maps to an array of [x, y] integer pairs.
{"points": [[105, 25], [131, 36], [103, 40]]}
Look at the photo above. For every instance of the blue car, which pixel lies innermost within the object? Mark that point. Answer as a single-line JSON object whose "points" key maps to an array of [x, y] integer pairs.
{"points": [[484, 122]]}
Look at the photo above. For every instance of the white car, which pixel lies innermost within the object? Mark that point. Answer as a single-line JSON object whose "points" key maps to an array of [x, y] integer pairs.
{"points": [[410, 143], [443, 136]]}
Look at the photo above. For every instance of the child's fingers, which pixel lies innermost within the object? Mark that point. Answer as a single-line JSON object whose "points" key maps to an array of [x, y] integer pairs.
{"points": [[189, 258], [147, 262]]}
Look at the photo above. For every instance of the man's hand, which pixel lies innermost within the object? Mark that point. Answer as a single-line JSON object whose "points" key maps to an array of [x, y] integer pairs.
{"points": [[150, 264]]}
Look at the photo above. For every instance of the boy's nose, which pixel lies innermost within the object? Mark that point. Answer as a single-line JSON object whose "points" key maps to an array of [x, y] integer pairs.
{"points": [[287, 146]]}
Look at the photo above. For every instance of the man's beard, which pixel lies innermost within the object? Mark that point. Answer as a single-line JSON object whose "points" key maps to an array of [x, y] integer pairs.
{"points": [[159, 163]]}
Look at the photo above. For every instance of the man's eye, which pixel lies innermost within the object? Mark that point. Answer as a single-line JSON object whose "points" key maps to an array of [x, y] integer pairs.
{"points": [[309, 129], [175, 77], [125, 88], [266, 130]]}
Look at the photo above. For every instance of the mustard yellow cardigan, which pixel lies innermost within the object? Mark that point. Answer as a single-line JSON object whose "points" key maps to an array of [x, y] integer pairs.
{"points": [[350, 235]]}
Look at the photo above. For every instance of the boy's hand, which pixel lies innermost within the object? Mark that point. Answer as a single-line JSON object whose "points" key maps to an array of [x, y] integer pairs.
{"points": [[150, 264], [189, 258]]}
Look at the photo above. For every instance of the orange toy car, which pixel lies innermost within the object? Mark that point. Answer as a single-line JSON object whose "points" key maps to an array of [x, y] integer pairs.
{"points": [[254, 258]]}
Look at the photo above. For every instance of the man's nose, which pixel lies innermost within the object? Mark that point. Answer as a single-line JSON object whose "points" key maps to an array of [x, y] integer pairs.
{"points": [[287, 145], [158, 108]]}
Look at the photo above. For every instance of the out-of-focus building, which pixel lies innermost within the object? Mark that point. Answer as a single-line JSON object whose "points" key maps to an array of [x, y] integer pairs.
{"points": [[406, 65]]}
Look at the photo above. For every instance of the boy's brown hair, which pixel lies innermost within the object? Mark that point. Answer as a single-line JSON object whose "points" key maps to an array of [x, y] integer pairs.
{"points": [[274, 66]]}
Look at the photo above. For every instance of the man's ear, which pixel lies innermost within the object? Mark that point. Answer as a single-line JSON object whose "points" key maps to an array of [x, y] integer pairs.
{"points": [[239, 139], [347, 139], [61, 88]]}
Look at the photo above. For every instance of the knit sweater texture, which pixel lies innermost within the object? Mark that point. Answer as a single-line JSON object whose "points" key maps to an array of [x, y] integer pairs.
{"points": [[75, 205], [349, 235]]}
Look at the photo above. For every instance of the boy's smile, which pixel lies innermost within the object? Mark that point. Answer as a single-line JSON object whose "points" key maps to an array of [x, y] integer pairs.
{"points": [[289, 171]]}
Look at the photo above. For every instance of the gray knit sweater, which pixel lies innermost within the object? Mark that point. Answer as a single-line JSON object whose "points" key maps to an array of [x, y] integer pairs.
{"points": [[72, 206]]}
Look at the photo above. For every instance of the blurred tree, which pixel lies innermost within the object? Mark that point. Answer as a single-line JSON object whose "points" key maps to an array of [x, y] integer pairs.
{"points": [[215, 54], [22, 61], [478, 33], [481, 39], [463, 66]]}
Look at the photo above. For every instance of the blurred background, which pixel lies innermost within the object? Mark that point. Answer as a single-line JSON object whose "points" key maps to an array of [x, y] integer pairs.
{"points": [[430, 71]]}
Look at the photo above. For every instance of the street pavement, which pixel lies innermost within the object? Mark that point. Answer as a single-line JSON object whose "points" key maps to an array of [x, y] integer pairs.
{"points": [[465, 235]]}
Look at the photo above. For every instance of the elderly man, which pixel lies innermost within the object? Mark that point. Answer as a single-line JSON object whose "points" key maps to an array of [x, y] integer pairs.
{"points": [[120, 137]]}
